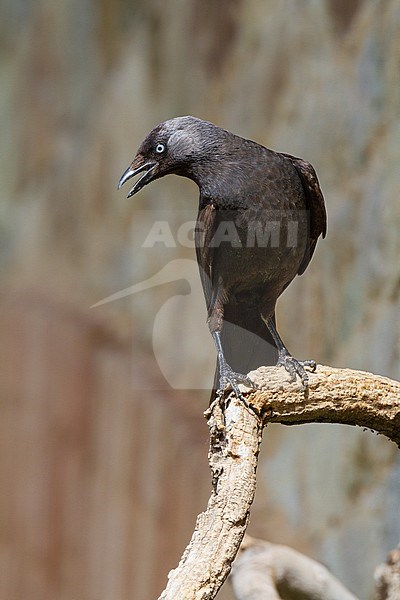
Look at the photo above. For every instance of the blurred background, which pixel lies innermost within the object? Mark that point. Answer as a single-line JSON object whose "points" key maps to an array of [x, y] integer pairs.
{"points": [[103, 446]]}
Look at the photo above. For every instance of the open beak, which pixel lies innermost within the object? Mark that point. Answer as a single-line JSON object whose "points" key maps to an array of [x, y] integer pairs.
{"points": [[138, 166]]}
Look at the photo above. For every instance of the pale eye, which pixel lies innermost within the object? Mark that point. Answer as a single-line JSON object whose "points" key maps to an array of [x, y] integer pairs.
{"points": [[160, 148]]}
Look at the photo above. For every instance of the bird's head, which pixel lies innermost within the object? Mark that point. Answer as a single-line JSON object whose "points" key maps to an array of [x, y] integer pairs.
{"points": [[175, 146]]}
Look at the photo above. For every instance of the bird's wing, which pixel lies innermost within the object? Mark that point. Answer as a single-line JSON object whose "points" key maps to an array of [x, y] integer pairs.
{"points": [[315, 204], [205, 229]]}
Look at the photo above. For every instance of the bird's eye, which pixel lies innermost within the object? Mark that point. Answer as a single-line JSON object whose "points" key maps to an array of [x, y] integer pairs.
{"points": [[160, 148]]}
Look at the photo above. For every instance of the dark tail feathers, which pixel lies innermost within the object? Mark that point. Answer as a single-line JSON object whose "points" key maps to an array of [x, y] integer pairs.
{"points": [[246, 342]]}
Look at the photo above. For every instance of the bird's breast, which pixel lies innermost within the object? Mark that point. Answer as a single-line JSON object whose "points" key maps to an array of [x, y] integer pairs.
{"points": [[257, 246]]}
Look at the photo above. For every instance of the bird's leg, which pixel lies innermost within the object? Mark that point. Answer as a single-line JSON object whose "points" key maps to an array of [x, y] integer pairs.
{"points": [[227, 376], [292, 365]]}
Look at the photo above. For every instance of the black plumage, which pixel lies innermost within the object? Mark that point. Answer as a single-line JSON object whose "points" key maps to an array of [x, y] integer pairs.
{"points": [[260, 215]]}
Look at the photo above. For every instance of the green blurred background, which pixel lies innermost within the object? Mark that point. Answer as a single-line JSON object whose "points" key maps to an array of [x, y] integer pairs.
{"points": [[103, 461]]}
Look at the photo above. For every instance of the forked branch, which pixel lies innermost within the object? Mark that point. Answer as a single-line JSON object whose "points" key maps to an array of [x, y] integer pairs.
{"points": [[333, 396]]}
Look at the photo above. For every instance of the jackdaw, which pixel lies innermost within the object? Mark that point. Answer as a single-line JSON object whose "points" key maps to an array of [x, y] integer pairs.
{"points": [[260, 215]]}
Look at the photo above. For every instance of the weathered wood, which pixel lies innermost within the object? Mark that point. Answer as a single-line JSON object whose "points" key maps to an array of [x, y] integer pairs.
{"points": [[273, 571], [219, 531], [333, 396]]}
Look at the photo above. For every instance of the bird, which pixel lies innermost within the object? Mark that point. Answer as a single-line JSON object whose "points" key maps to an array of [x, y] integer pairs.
{"points": [[259, 218]]}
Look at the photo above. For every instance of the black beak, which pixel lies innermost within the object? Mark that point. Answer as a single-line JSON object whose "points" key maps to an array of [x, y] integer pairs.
{"points": [[138, 166]]}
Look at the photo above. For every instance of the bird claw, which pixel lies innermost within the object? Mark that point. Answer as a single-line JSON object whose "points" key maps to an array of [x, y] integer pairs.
{"points": [[296, 367], [230, 379]]}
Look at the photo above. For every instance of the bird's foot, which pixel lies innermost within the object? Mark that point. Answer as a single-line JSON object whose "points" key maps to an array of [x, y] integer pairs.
{"points": [[296, 367], [229, 379]]}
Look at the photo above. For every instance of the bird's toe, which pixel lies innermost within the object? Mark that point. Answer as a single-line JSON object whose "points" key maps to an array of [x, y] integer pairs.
{"points": [[297, 368], [311, 364], [231, 379]]}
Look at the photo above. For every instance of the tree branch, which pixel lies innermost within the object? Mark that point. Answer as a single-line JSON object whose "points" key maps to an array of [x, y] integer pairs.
{"points": [[275, 572], [333, 396], [235, 437]]}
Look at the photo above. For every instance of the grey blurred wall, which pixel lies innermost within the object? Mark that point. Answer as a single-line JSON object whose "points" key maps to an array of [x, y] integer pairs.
{"points": [[103, 461]]}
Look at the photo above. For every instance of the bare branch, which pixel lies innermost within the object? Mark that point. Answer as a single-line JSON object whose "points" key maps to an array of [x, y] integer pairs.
{"points": [[334, 396], [275, 572], [219, 531]]}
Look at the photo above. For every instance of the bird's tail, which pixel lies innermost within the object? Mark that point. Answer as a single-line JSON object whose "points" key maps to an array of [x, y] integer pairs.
{"points": [[246, 342]]}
